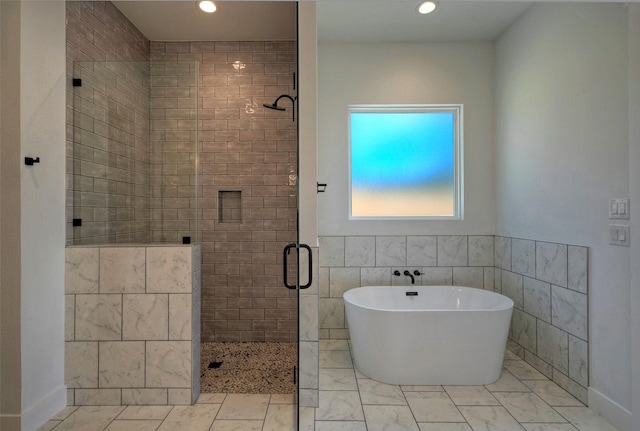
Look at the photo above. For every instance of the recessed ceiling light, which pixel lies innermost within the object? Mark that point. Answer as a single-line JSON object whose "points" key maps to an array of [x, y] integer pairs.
{"points": [[207, 6], [427, 7]]}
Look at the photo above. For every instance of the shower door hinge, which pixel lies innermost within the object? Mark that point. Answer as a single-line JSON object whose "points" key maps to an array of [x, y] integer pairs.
{"points": [[77, 82], [294, 374]]}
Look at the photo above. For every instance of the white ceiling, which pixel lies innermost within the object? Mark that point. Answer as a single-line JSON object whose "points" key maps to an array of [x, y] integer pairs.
{"points": [[398, 21], [234, 20], [338, 20]]}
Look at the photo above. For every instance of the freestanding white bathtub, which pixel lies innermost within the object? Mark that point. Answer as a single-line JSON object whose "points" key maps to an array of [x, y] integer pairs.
{"points": [[428, 335]]}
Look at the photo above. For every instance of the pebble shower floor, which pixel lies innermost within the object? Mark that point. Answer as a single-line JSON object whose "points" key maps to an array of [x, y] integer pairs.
{"points": [[247, 368]]}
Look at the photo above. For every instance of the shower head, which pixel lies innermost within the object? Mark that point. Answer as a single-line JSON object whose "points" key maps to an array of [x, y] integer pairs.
{"points": [[275, 106]]}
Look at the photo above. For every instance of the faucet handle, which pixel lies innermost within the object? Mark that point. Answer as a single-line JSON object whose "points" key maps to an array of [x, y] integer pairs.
{"points": [[396, 273], [416, 272]]}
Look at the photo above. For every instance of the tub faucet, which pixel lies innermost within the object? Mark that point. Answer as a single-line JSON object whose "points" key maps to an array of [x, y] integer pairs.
{"points": [[408, 274]]}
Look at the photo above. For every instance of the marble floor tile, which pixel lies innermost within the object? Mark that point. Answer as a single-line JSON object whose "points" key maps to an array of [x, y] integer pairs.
{"points": [[307, 419], [549, 427], [340, 426], [198, 417], [433, 407], [509, 355], [373, 392], [489, 418], [471, 396], [387, 418], [421, 388], [338, 379], [133, 425], [552, 394], [535, 401], [528, 407], [64, 413], [585, 419], [244, 406], [507, 383], [523, 371], [236, 425], [90, 418], [145, 412], [359, 375], [334, 344], [282, 399], [339, 406], [280, 417], [49, 425], [335, 359], [434, 426], [211, 398]]}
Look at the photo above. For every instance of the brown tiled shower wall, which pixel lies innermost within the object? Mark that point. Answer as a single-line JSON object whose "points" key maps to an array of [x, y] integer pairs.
{"points": [[173, 140], [131, 171], [247, 156], [107, 126]]}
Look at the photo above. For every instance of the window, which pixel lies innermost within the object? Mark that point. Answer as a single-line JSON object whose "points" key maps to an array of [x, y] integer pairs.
{"points": [[405, 162]]}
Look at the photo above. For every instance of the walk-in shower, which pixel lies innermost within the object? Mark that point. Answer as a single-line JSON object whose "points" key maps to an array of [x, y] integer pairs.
{"points": [[169, 147], [174, 152]]}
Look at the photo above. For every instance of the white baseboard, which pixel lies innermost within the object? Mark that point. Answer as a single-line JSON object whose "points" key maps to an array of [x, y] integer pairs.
{"points": [[34, 416], [617, 415]]}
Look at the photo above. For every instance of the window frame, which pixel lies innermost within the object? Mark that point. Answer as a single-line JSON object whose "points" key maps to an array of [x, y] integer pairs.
{"points": [[458, 144]]}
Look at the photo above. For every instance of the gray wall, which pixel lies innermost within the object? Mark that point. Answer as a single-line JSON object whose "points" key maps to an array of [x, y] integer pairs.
{"points": [[32, 220], [427, 73], [562, 145]]}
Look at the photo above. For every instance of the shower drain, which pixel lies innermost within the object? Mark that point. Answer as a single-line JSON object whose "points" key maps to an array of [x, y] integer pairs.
{"points": [[215, 364]]}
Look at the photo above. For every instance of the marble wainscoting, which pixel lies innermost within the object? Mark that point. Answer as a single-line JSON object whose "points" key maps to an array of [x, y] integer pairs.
{"points": [[132, 324], [354, 261], [308, 334], [548, 283]]}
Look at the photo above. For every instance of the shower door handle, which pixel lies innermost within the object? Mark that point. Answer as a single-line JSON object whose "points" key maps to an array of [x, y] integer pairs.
{"points": [[306, 286], [285, 262]]}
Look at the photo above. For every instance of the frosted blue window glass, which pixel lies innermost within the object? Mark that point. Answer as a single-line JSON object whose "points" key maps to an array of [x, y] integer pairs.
{"points": [[403, 162]]}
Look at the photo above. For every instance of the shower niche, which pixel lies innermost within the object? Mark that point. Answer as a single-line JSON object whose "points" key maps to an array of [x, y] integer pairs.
{"points": [[230, 206]]}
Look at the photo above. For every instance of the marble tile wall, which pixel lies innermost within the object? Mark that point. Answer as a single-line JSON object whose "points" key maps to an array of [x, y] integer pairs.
{"points": [[132, 325], [309, 333], [353, 261], [548, 283]]}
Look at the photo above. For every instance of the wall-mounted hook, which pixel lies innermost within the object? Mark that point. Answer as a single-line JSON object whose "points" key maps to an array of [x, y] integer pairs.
{"points": [[321, 187], [29, 161]]}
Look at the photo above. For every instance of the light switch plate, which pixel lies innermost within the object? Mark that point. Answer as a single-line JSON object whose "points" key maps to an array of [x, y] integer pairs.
{"points": [[619, 208], [619, 235]]}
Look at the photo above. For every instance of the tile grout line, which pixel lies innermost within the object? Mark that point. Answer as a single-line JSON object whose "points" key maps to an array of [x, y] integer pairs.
{"points": [[353, 364]]}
